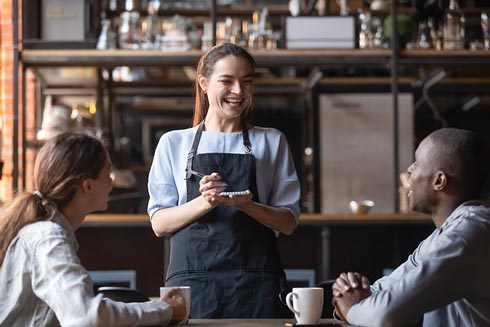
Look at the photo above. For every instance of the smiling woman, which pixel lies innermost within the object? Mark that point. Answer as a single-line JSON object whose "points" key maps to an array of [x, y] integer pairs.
{"points": [[223, 241], [38, 245]]}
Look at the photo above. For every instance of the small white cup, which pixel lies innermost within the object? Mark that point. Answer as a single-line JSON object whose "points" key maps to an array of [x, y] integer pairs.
{"points": [[307, 304], [185, 292]]}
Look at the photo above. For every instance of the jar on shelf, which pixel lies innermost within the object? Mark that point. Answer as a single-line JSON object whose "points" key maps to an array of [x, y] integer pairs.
{"points": [[424, 36], [453, 27], [485, 26], [151, 27], [130, 28]]}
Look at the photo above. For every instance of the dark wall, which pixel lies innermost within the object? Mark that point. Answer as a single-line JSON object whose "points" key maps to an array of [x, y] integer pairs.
{"points": [[124, 248]]}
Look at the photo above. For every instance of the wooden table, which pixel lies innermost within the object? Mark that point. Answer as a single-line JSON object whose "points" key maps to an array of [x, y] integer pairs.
{"points": [[256, 322]]}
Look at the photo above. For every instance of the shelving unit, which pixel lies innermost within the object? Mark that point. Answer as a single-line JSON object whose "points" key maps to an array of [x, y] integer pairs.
{"points": [[390, 59]]}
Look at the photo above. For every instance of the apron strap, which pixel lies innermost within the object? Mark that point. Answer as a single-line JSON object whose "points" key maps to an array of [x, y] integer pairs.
{"points": [[188, 170], [192, 152], [246, 139]]}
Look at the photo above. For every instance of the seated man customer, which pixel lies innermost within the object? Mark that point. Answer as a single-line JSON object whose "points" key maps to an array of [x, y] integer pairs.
{"points": [[41, 278], [445, 281]]}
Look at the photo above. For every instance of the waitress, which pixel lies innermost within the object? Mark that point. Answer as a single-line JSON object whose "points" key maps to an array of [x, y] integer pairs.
{"points": [[223, 245]]}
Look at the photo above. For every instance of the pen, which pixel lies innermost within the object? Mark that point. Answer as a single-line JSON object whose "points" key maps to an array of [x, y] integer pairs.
{"points": [[193, 172]]}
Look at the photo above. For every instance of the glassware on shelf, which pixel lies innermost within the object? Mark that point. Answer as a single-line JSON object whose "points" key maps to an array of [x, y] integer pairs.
{"points": [[453, 27], [435, 33], [207, 36], [485, 26], [175, 36], [107, 37], [344, 10], [151, 27], [365, 35], [130, 28], [424, 36], [233, 30], [56, 119], [376, 33], [294, 7]]}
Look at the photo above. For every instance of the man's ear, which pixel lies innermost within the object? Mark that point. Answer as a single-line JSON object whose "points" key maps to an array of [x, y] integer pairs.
{"points": [[440, 181], [203, 83]]}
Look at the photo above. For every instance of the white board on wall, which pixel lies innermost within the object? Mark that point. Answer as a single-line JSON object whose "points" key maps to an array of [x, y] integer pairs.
{"points": [[357, 149]]}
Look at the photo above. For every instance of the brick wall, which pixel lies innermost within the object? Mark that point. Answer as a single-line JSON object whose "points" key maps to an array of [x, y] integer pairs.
{"points": [[6, 105]]}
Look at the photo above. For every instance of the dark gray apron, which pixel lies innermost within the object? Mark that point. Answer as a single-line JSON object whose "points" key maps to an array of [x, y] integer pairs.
{"points": [[230, 260]]}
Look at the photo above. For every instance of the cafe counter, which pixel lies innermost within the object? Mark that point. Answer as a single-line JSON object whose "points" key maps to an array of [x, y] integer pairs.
{"points": [[128, 220], [323, 244]]}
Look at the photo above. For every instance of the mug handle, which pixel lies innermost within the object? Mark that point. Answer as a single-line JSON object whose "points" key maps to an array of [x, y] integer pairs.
{"points": [[289, 304]]}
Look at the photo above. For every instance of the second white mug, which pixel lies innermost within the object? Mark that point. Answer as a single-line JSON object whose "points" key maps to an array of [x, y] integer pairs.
{"points": [[306, 303]]}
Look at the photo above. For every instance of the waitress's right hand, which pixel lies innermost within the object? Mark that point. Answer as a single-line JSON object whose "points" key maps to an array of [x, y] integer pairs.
{"points": [[210, 187], [177, 302]]}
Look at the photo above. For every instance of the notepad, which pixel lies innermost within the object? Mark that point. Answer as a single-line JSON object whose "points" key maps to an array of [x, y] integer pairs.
{"points": [[233, 193]]}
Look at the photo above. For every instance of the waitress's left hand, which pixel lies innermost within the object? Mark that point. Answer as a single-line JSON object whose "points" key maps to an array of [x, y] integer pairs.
{"points": [[236, 200]]}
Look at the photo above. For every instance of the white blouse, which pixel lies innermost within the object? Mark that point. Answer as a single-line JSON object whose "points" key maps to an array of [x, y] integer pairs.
{"points": [[42, 283]]}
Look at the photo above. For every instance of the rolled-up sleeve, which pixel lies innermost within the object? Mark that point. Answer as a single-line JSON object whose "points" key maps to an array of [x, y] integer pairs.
{"points": [[161, 181], [285, 191]]}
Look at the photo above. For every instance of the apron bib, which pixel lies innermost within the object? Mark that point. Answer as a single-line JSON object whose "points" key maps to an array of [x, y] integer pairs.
{"points": [[229, 259]]}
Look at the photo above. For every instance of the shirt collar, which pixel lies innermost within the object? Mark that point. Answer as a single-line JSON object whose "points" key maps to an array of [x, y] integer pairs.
{"points": [[61, 220], [460, 209]]}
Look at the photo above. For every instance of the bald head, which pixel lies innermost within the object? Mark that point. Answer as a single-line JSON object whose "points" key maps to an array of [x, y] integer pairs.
{"points": [[464, 157]]}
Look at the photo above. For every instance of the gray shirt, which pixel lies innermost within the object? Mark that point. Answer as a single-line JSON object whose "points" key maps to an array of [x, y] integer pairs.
{"points": [[445, 280], [42, 283]]}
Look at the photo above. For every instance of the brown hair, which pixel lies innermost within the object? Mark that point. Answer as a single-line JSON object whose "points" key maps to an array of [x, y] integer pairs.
{"points": [[61, 166], [205, 68]]}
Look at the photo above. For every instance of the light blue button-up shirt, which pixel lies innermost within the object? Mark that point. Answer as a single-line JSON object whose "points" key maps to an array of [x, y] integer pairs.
{"points": [[445, 280], [277, 181]]}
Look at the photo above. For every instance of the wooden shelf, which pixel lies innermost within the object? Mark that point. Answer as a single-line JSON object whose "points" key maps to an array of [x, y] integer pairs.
{"points": [[449, 57], [274, 10], [264, 58], [350, 219]]}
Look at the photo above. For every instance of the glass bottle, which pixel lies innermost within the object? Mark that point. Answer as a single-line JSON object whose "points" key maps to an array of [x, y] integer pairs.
{"points": [[365, 36], [107, 37], [453, 27], [151, 27], [424, 36], [485, 26], [130, 28]]}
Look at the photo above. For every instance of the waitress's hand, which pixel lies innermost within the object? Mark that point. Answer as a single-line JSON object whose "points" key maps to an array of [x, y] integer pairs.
{"points": [[210, 187]]}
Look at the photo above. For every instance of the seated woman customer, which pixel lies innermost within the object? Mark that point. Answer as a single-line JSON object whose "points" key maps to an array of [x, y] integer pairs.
{"points": [[41, 278]]}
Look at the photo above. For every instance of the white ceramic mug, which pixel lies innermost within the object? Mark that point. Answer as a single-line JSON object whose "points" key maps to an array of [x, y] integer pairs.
{"points": [[307, 304], [185, 292]]}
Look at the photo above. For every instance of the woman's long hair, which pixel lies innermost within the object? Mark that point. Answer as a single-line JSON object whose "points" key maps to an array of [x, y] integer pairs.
{"points": [[205, 68], [61, 166]]}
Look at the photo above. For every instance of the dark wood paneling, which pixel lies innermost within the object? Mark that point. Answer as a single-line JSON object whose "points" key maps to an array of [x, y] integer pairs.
{"points": [[124, 248]]}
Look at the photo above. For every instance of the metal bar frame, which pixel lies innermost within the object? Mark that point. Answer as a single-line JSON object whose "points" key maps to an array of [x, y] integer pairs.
{"points": [[395, 46], [15, 96]]}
